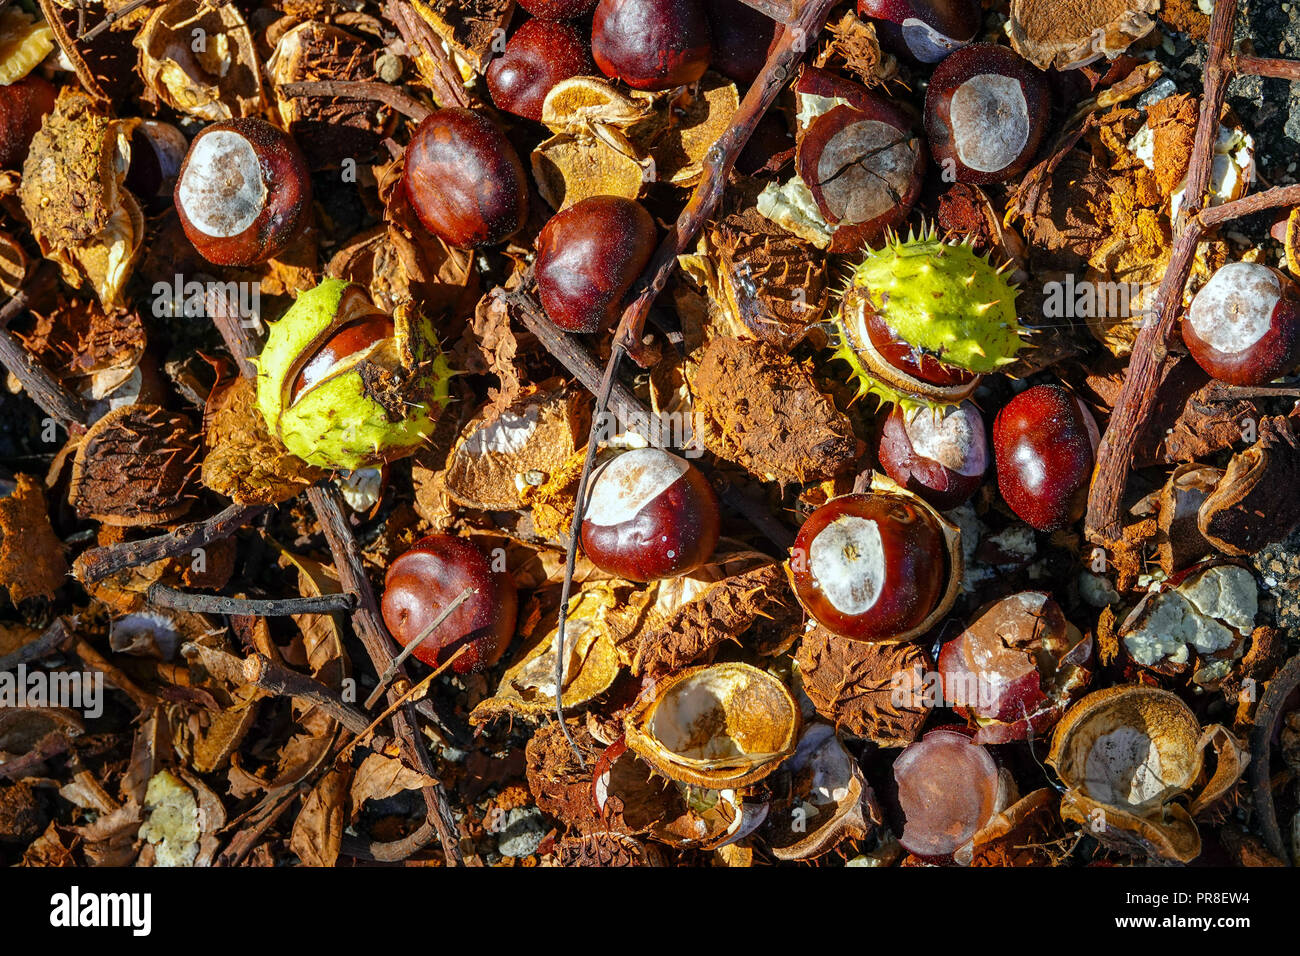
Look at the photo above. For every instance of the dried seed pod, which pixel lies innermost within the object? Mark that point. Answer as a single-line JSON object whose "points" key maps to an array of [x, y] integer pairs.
{"points": [[1180, 541], [605, 850], [136, 466], [829, 799], [1254, 504], [1125, 754], [1015, 667], [469, 29], [727, 725], [1065, 36]]}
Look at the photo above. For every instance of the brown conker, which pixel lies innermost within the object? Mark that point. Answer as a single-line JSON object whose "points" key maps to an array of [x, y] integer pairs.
{"points": [[1243, 327], [540, 54], [651, 44]]}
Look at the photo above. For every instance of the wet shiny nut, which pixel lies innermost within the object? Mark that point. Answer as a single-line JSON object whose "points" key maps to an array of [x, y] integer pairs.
{"points": [[1243, 327], [588, 256], [650, 515], [540, 54], [558, 9], [986, 113], [22, 107], [464, 180], [243, 192], [939, 453], [651, 44], [425, 580]]}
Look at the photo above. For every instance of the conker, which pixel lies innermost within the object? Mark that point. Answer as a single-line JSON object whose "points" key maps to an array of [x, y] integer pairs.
{"points": [[540, 54], [22, 107], [1243, 327], [243, 193], [925, 30], [986, 113], [351, 338], [588, 256], [870, 566], [1044, 443], [907, 358], [940, 454], [157, 151], [464, 180], [558, 9], [649, 515], [426, 579], [651, 44], [742, 38]]}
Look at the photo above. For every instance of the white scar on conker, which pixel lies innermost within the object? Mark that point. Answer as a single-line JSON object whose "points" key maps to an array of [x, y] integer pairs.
{"points": [[625, 485], [847, 560], [949, 435], [1235, 309], [222, 191], [926, 43], [990, 122]]}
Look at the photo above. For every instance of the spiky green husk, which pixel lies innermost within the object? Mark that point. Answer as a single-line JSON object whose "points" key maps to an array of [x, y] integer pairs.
{"points": [[939, 296], [335, 424]]}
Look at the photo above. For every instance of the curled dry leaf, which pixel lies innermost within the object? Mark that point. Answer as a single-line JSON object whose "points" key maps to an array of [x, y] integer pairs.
{"points": [[759, 408], [1254, 503], [318, 828], [32, 564], [136, 466]]}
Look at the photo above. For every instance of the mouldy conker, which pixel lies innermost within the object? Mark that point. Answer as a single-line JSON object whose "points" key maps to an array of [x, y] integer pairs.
{"points": [[1243, 327]]}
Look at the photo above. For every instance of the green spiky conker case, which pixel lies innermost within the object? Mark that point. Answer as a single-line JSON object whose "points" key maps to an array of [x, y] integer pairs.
{"points": [[938, 296], [338, 422]]}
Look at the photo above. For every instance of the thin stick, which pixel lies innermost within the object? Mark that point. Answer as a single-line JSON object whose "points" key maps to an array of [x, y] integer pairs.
{"points": [[402, 699], [1262, 66], [386, 677], [51, 640], [390, 96], [162, 595], [225, 314], [794, 41], [283, 682], [446, 84], [99, 563], [112, 17], [1267, 715]]}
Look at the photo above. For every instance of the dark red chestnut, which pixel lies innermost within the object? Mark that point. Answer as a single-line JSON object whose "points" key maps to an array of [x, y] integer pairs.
{"points": [[558, 9], [651, 44], [925, 30], [464, 180], [23, 105], [1045, 442], [949, 788], [540, 54], [157, 151], [650, 515], [429, 577], [907, 358], [870, 566], [1015, 667], [588, 256], [1243, 327], [939, 453], [986, 113], [243, 192], [349, 339], [742, 38]]}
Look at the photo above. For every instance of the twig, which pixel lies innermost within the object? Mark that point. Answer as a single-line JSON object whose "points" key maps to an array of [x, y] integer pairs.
{"points": [[409, 649], [162, 595], [794, 41], [283, 682], [402, 699], [68, 46], [390, 96], [99, 563], [51, 640], [112, 17], [1267, 715], [1262, 66], [393, 852], [369, 626], [446, 84], [225, 314]]}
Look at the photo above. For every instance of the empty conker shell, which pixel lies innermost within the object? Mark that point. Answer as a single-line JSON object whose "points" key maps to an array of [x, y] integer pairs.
{"points": [[871, 566], [243, 192], [651, 44], [925, 30], [540, 54], [588, 256], [986, 113], [422, 583], [1243, 327], [464, 180], [649, 515], [940, 453], [1045, 442]]}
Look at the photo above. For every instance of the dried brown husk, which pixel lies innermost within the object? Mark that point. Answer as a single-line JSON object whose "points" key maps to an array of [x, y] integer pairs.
{"points": [[605, 849], [853, 684], [220, 81], [689, 125], [401, 263], [1255, 502], [759, 408], [32, 564], [853, 42], [72, 194], [1180, 543], [1131, 811], [13, 264], [829, 799], [467, 27], [243, 461], [500, 452], [24, 42], [136, 466], [1024, 834], [527, 688], [95, 351], [740, 723], [1052, 34]]}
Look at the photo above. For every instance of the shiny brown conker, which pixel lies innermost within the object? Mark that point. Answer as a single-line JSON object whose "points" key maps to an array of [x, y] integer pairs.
{"points": [[940, 453], [421, 583], [651, 44], [588, 256], [464, 180], [558, 9], [924, 30], [540, 54], [23, 104], [1243, 327]]}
